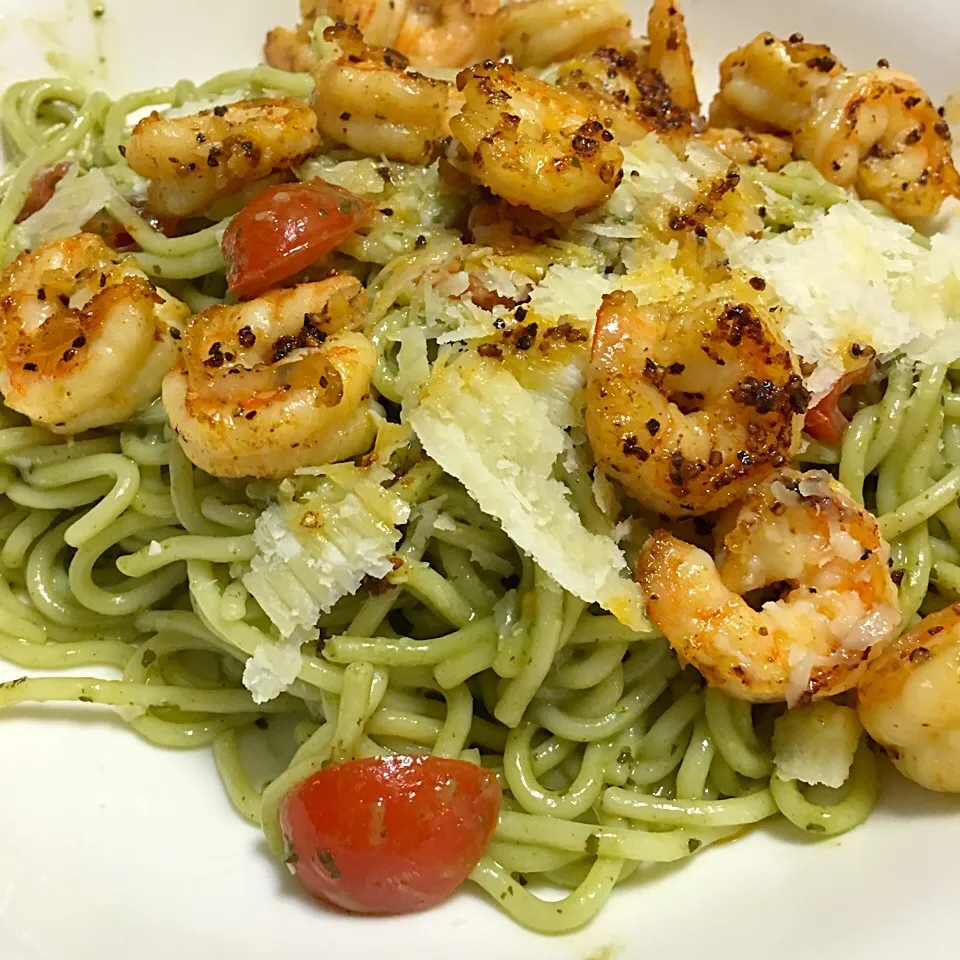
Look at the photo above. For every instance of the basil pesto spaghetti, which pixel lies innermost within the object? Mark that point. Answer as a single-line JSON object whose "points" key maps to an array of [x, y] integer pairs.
{"points": [[356, 430]]}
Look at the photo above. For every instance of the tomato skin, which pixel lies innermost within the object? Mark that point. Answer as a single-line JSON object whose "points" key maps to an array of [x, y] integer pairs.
{"points": [[826, 422], [387, 835], [41, 189], [285, 229]]}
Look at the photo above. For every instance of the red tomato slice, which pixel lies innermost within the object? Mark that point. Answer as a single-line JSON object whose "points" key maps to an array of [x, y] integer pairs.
{"points": [[388, 835], [41, 189], [825, 422], [111, 231], [285, 229]]}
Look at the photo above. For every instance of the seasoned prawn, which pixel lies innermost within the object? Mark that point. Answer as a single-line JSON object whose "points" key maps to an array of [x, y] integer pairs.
{"points": [[85, 337], [431, 33], [772, 84], [689, 405], [670, 52], [270, 385], [801, 538], [290, 50], [876, 131], [908, 701], [369, 100], [537, 33], [532, 144], [880, 133], [193, 161], [449, 33], [750, 149], [378, 20], [632, 98]]}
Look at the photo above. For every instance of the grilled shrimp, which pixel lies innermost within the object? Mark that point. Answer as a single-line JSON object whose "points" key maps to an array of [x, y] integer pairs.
{"points": [[449, 33], [772, 83], [532, 144], [690, 405], [803, 539], [431, 33], [632, 98], [908, 701], [750, 149], [193, 161], [670, 52], [537, 33], [880, 133], [379, 21], [270, 385], [876, 131], [85, 337], [290, 50], [369, 100]]}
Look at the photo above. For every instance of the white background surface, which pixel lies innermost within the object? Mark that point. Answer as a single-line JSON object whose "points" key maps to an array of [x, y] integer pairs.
{"points": [[111, 849]]}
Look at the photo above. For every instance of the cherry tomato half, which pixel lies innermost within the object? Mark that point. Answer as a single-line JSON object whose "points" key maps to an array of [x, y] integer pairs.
{"points": [[826, 422], [386, 835], [41, 189], [285, 229]]}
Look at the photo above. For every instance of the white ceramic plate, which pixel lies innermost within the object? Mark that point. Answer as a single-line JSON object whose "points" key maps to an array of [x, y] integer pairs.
{"points": [[111, 849]]}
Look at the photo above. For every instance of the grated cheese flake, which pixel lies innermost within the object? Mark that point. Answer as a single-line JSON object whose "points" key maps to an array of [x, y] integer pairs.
{"points": [[482, 427], [315, 545]]}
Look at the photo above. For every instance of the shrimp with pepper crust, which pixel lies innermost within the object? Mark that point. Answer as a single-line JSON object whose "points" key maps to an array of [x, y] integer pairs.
{"points": [[191, 162], [811, 562], [369, 100], [908, 701], [274, 384], [631, 98], [85, 338], [430, 33], [880, 133], [750, 149], [690, 404], [771, 84], [532, 144], [876, 131], [670, 52], [537, 33]]}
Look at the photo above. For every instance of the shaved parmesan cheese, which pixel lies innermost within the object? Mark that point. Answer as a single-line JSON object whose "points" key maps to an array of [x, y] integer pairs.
{"points": [[570, 292], [77, 197], [271, 669], [816, 743], [849, 276], [315, 546], [482, 427]]}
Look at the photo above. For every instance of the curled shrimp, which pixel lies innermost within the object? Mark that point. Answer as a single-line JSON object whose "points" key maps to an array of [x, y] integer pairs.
{"points": [[689, 406], [876, 131], [800, 539], [193, 161], [431, 33], [85, 337], [290, 50], [670, 52], [908, 701], [632, 98], [537, 33], [449, 33], [532, 144], [750, 149], [771, 84], [270, 385], [369, 100], [379, 21], [880, 133]]}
